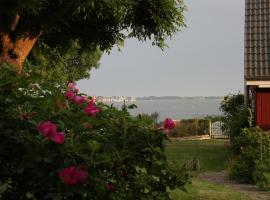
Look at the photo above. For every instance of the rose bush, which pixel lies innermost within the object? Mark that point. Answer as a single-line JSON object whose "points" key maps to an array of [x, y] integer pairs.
{"points": [[169, 124], [55, 147]]}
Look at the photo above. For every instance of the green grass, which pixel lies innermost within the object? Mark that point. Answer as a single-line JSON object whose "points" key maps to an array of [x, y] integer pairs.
{"points": [[212, 154], [200, 190]]}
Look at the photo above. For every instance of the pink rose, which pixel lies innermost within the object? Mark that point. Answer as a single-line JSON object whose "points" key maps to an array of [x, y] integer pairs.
{"points": [[47, 129], [70, 95], [169, 124], [79, 100], [58, 138], [91, 110], [76, 90], [90, 101], [72, 87], [73, 175]]}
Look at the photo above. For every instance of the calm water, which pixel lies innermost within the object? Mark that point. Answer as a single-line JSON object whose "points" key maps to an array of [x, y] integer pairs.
{"points": [[176, 109]]}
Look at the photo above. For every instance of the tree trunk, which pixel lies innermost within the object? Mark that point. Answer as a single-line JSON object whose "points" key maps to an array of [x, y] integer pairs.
{"points": [[15, 52]]}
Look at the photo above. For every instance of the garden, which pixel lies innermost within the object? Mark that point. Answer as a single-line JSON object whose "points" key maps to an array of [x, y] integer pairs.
{"points": [[59, 143], [237, 168], [210, 179]]}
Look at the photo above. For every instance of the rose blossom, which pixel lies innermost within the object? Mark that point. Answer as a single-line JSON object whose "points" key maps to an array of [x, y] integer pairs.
{"points": [[90, 101], [73, 175], [47, 128], [70, 95], [76, 90], [72, 87], [169, 124], [58, 138], [79, 100], [91, 110]]}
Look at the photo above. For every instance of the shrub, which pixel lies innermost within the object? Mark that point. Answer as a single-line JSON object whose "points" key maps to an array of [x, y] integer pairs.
{"points": [[251, 151], [237, 115], [239, 170], [53, 146], [250, 145], [190, 127], [261, 174]]}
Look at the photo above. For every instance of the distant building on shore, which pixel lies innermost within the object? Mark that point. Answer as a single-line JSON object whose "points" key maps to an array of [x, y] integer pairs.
{"points": [[257, 59], [115, 98]]}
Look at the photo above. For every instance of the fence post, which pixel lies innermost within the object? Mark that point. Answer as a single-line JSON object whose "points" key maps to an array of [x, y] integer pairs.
{"points": [[210, 128]]}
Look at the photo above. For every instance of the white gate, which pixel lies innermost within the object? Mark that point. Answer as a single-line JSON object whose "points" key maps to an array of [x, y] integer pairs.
{"points": [[217, 130]]}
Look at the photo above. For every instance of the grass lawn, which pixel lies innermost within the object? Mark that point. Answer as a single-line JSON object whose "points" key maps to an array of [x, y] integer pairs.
{"points": [[212, 154], [200, 190]]}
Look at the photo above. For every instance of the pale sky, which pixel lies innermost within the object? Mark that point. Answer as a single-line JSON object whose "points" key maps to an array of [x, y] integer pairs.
{"points": [[204, 59]]}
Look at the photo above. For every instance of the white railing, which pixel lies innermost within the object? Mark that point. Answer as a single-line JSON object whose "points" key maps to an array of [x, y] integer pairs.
{"points": [[217, 130]]}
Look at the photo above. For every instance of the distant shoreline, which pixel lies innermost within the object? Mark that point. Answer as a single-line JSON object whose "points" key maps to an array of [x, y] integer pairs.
{"points": [[176, 98], [153, 98]]}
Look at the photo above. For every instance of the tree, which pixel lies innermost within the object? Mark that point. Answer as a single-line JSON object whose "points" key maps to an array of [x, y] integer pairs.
{"points": [[68, 66], [93, 25], [237, 115]]}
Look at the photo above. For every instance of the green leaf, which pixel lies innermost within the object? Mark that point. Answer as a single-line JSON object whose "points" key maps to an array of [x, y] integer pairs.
{"points": [[95, 146], [29, 195], [3, 188]]}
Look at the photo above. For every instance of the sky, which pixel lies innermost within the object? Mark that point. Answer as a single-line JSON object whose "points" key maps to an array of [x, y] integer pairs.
{"points": [[204, 59]]}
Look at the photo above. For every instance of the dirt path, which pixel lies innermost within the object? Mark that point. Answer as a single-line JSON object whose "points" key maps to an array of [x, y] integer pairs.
{"points": [[195, 137], [222, 178]]}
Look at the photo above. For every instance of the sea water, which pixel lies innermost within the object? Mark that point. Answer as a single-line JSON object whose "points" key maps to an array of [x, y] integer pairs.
{"points": [[177, 109]]}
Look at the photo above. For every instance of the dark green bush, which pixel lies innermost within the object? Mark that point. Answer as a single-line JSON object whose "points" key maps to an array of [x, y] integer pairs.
{"points": [[261, 174], [241, 169], [190, 127], [122, 155], [237, 115], [251, 147]]}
